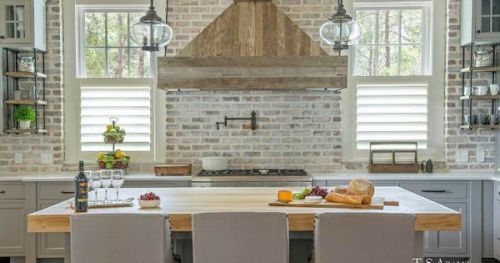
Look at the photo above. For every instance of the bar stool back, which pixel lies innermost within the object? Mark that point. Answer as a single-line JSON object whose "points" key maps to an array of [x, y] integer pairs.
{"points": [[240, 237], [364, 237], [124, 238]]}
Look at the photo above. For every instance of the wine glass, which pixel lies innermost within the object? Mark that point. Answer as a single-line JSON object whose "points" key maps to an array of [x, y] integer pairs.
{"points": [[117, 182], [106, 178], [94, 178]]}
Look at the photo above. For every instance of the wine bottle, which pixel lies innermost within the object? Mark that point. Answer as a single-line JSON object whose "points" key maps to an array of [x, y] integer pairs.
{"points": [[81, 190]]}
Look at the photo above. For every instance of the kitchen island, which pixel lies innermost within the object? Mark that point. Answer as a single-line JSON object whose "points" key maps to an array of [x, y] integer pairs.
{"points": [[180, 203]]}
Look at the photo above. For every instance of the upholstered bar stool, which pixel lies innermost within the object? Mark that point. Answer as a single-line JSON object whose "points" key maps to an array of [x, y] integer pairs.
{"points": [[124, 238], [240, 237], [364, 237]]}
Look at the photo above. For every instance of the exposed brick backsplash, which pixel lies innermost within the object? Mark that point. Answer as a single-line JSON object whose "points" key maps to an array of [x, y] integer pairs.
{"points": [[31, 146], [457, 139], [295, 128]]}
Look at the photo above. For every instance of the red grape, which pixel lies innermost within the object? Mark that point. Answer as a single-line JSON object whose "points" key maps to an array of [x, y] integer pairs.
{"points": [[318, 191]]}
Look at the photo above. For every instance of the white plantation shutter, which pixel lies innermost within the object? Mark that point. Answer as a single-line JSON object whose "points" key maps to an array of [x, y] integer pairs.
{"points": [[132, 105], [392, 113]]}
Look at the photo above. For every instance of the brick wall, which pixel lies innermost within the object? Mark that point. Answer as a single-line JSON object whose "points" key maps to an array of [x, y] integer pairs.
{"points": [[290, 118], [457, 139], [32, 146], [295, 128]]}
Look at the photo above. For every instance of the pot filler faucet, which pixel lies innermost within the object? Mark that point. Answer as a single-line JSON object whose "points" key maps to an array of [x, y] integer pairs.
{"points": [[252, 119]]}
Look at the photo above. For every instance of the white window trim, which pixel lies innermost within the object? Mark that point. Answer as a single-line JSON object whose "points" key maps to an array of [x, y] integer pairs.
{"points": [[81, 10], [72, 91], [426, 8], [436, 82]]}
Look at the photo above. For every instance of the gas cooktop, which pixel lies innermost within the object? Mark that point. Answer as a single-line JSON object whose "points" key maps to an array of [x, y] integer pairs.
{"points": [[254, 172]]}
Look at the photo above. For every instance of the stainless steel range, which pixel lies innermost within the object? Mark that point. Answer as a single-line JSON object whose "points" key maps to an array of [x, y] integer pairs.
{"points": [[252, 178], [255, 172]]}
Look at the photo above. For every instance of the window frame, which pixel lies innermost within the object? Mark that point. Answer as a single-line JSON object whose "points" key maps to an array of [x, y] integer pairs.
{"points": [[81, 10], [435, 81], [425, 6], [73, 82]]}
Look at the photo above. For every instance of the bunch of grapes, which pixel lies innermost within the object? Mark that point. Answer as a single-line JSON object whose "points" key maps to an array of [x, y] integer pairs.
{"points": [[318, 191], [149, 196]]}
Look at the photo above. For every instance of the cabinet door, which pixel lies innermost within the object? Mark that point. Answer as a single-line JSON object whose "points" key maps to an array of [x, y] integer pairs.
{"points": [[12, 228], [50, 245], [15, 17], [487, 18], [450, 242]]}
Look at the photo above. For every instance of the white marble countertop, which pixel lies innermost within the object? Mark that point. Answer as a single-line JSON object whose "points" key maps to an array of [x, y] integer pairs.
{"points": [[69, 176], [337, 175], [453, 175]]}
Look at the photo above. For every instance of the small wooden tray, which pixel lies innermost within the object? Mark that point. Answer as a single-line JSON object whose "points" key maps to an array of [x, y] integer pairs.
{"points": [[166, 170], [325, 204], [124, 203]]}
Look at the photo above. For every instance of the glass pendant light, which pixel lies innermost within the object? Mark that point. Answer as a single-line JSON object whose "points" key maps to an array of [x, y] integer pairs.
{"points": [[151, 32], [341, 31]]}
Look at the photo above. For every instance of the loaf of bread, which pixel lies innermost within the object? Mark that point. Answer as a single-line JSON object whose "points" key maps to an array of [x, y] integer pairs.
{"points": [[344, 198], [361, 187]]}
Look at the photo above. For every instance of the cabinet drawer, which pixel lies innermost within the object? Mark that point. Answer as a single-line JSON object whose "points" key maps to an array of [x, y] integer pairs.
{"points": [[437, 189], [55, 190], [12, 191]]}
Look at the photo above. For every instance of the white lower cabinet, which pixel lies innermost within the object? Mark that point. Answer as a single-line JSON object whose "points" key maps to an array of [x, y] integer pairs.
{"points": [[12, 219], [12, 228], [51, 245], [450, 242]]}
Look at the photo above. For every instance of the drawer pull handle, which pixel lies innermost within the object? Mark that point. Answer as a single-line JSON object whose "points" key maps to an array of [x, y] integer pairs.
{"points": [[433, 191], [2, 192], [67, 192]]}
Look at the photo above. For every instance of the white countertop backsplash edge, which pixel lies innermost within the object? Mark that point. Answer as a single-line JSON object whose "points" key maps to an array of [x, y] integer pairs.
{"points": [[337, 175], [69, 176]]}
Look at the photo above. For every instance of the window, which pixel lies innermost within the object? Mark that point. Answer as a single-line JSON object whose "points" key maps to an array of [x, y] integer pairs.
{"points": [[106, 49], [396, 84], [108, 76], [394, 39], [130, 104]]}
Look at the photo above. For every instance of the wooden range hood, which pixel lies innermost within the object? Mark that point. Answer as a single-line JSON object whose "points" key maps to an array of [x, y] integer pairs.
{"points": [[252, 45]]}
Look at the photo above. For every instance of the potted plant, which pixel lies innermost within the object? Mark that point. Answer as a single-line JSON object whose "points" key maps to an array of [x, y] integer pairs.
{"points": [[24, 115]]}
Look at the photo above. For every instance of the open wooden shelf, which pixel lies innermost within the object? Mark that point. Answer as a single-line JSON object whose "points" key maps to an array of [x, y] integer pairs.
{"points": [[480, 126], [23, 74], [26, 102], [480, 97], [480, 69]]}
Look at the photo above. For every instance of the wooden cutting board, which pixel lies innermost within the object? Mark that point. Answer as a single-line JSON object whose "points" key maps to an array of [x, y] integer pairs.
{"points": [[325, 204]]}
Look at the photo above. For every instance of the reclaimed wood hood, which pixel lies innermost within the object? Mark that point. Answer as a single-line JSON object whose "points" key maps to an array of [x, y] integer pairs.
{"points": [[252, 45]]}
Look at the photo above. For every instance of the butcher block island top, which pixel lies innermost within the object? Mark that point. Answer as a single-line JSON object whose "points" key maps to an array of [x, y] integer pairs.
{"points": [[180, 203]]}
